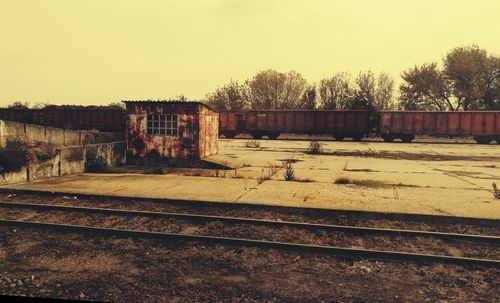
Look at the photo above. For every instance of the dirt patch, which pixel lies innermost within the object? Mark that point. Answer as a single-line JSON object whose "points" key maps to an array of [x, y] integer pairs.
{"points": [[290, 160], [103, 262], [187, 272], [407, 156], [362, 182], [365, 170]]}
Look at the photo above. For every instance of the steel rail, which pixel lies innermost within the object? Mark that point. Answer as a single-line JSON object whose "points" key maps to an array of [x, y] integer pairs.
{"points": [[254, 206], [240, 220], [333, 250]]}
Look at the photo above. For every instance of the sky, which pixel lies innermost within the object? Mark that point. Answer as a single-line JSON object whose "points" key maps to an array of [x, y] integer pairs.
{"points": [[103, 51]]}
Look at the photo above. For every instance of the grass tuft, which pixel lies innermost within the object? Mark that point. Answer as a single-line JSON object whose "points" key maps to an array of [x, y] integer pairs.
{"points": [[496, 192], [315, 147], [252, 144], [289, 173]]}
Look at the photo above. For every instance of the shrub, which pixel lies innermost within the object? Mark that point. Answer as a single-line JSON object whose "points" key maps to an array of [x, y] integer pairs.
{"points": [[315, 147], [96, 163], [343, 180], [42, 156], [12, 157], [252, 144], [263, 177], [289, 171], [268, 171], [496, 192]]}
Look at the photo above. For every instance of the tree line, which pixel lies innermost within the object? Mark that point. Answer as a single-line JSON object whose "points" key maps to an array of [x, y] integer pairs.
{"points": [[469, 80], [270, 89]]}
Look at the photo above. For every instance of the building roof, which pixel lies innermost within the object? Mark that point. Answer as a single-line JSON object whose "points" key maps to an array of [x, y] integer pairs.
{"points": [[166, 101]]}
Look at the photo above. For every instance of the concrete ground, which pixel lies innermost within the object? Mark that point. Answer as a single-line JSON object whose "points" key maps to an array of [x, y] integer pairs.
{"points": [[425, 178]]}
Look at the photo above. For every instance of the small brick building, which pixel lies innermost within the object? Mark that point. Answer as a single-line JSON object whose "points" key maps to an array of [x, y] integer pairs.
{"points": [[160, 131]]}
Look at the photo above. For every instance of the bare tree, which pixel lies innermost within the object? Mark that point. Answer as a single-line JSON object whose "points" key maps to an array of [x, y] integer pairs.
{"points": [[231, 96], [336, 92], [116, 105], [180, 97], [469, 80], [19, 105], [490, 83], [365, 97], [309, 97], [475, 76], [426, 88], [270, 89], [384, 92]]}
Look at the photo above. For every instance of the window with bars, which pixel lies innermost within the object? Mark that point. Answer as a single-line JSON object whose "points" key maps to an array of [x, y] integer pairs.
{"points": [[162, 124]]}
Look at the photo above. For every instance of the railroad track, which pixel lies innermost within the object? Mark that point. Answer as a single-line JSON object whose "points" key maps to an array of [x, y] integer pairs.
{"points": [[239, 220], [357, 252]]}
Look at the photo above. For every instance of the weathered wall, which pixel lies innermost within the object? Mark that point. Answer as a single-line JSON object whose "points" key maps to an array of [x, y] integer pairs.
{"points": [[66, 161], [209, 132], [35, 133], [72, 160], [156, 148], [114, 153], [14, 177]]}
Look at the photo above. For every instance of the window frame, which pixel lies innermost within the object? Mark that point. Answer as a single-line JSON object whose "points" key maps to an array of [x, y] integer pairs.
{"points": [[162, 125]]}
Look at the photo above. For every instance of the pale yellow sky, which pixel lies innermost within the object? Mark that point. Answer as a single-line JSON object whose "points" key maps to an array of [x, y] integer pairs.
{"points": [[101, 51]]}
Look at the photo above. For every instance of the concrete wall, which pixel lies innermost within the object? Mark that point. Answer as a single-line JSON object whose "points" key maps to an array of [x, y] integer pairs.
{"points": [[15, 177], [66, 161], [114, 153], [35, 133], [72, 160]]}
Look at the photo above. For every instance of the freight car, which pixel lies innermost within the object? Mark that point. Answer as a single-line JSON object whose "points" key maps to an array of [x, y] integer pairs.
{"points": [[271, 123], [483, 126], [110, 120]]}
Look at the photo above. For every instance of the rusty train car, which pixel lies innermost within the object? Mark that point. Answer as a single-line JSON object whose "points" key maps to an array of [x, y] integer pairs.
{"points": [[483, 126], [271, 123], [109, 120]]}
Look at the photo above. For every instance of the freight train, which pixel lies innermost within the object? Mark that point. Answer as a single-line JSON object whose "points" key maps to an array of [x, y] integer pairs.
{"points": [[106, 120], [483, 126]]}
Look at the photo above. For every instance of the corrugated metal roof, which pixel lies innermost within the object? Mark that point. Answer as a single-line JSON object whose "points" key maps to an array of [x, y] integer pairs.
{"points": [[167, 101]]}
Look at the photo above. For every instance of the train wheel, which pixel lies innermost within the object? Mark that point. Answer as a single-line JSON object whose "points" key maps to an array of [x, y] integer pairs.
{"points": [[483, 140], [228, 135], [339, 138], [407, 139], [256, 135], [274, 136], [388, 138]]}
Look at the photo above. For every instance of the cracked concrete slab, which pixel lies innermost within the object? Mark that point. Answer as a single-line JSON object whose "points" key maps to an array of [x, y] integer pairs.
{"points": [[452, 179]]}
